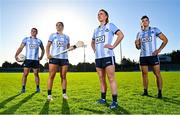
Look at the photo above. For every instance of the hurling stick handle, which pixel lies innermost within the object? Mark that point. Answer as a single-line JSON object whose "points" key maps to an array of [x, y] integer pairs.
{"points": [[61, 52], [64, 51]]}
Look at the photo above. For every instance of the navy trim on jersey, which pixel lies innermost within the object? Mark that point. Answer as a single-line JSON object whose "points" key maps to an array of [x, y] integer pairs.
{"points": [[49, 41], [158, 34], [117, 31]]}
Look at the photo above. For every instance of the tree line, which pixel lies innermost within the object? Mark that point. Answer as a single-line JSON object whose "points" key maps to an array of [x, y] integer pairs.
{"points": [[126, 65]]}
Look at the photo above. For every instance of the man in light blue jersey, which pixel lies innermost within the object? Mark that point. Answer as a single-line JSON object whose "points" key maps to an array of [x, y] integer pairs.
{"points": [[32, 45], [105, 59], [146, 42], [58, 42]]}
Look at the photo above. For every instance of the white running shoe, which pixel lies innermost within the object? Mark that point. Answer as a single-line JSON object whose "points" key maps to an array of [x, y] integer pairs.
{"points": [[49, 97], [65, 96]]}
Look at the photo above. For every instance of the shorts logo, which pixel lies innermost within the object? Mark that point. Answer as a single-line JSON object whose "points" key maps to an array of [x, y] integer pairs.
{"points": [[147, 39], [33, 46], [108, 62], [60, 43], [100, 39]]}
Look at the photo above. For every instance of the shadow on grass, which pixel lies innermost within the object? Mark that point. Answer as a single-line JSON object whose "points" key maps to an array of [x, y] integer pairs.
{"points": [[171, 100], [92, 110], [65, 107], [45, 108], [13, 108], [3, 103], [166, 99], [120, 110]]}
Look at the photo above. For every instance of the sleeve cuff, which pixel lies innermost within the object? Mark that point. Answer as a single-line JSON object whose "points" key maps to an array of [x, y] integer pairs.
{"points": [[116, 31]]}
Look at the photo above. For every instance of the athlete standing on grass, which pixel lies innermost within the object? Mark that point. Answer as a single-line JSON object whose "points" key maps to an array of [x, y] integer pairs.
{"points": [[105, 60], [59, 42], [146, 41], [32, 44]]}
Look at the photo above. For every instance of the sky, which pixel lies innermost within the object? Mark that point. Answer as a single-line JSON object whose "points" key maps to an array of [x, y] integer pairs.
{"points": [[17, 17]]}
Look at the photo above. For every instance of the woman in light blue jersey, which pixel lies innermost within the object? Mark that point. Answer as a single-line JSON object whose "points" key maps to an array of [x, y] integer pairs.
{"points": [[58, 42], [105, 59], [32, 45]]}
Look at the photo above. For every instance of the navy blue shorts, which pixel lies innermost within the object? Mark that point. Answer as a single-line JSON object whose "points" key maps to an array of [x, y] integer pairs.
{"points": [[31, 63], [104, 62], [59, 62], [149, 60]]}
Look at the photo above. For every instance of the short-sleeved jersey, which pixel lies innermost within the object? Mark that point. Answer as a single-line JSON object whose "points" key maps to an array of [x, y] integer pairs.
{"points": [[104, 35], [32, 47], [59, 44], [148, 41]]}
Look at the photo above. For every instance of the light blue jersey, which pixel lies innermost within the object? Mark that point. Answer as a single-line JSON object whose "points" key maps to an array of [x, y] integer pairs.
{"points": [[104, 35], [148, 41], [59, 44], [32, 47]]}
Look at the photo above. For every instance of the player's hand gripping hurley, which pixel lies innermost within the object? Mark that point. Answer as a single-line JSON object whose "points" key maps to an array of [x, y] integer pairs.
{"points": [[77, 45]]}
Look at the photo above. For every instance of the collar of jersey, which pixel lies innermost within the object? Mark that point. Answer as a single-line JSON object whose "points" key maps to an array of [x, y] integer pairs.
{"points": [[147, 29], [59, 34], [31, 37], [101, 26]]}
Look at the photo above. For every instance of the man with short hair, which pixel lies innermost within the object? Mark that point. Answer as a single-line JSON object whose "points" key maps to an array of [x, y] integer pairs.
{"points": [[32, 45], [146, 42]]}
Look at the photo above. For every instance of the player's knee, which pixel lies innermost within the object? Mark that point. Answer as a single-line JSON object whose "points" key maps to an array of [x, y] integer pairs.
{"points": [[52, 75], [25, 74], [102, 78], [157, 75], [111, 79], [103, 81], [144, 74], [63, 76], [36, 74]]}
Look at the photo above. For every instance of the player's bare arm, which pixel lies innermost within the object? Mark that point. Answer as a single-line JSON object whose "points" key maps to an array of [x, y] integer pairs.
{"points": [[120, 36], [165, 41], [93, 45], [138, 44], [19, 51], [48, 50], [42, 52], [71, 47]]}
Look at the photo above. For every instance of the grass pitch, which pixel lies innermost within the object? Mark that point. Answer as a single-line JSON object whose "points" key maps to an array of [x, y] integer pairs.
{"points": [[83, 92]]}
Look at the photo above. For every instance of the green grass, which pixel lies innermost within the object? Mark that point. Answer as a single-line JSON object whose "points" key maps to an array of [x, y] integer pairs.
{"points": [[83, 91]]}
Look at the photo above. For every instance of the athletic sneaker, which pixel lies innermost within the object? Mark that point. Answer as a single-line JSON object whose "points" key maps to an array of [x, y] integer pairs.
{"points": [[159, 95], [101, 101], [23, 90], [145, 94], [65, 96], [38, 90], [49, 97], [113, 105]]}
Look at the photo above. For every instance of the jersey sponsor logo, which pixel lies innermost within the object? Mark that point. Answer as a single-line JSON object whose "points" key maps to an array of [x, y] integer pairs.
{"points": [[106, 30], [147, 39], [152, 32], [33, 46], [60, 43], [100, 39]]}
